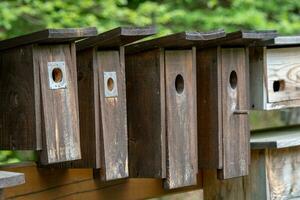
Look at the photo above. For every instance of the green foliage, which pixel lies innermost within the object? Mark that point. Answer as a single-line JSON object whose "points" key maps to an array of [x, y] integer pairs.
{"points": [[23, 16]]}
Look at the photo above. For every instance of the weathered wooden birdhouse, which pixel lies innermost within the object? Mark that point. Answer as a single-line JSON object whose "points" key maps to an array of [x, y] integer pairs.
{"points": [[161, 108], [275, 163], [102, 100], [222, 101], [275, 73], [38, 87]]}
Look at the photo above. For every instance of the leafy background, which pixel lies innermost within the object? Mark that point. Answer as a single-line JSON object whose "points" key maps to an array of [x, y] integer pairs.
{"points": [[18, 17]]}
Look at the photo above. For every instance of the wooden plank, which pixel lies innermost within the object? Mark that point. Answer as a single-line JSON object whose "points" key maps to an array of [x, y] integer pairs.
{"points": [[192, 195], [282, 169], [176, 41], [146, 114], [181, 112], [276, 138], [258, 78], [116, 37], [79, 184], [283, 67], [60, 122], [235, 123], [113, 137], [49, 36], [17, 102], [209, 108], [10, 179], [249, 187], [284, 41]]}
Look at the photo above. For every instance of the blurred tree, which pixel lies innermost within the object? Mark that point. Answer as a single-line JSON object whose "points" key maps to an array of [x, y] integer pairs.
{"points": [[22, 16]]}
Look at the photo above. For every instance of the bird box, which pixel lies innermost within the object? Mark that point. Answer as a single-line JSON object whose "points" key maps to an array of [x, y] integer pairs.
{"points": [[102, 101], [38, 86], [222, 101], [161, 108], [276, 167], [275, 74]]}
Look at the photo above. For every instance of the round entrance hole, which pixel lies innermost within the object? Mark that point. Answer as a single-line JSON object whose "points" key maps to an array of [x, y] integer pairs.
{"points": [[57, 75], [233, 79], [110, 84], [179, 84]]}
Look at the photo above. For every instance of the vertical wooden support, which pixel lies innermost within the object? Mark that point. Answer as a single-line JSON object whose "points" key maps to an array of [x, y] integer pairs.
{"points": [[41, 112]]}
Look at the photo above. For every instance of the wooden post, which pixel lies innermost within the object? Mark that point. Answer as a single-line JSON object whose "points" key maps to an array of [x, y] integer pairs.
{"points": [[222, 85], [274, 73], [102, 101], [38, 86], [161, 92]]}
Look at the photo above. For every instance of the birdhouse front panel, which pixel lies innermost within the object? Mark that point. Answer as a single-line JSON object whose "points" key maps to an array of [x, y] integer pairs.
{"points": [[110, 70], [56, 68], [283, 74], [234, 112], [181, 115]]}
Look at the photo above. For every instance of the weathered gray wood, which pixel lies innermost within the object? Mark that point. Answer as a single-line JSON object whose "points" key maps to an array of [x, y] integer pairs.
{"points": [[59, 107], [10, 179], [146, 117], [283, 41], [181, 112], [276, 138], [282, 169], [113, 134], [236, 133], [49, 36], [283, 66], [254, 186]]}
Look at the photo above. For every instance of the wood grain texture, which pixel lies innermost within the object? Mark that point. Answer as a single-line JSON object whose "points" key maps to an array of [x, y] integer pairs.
{"points": [[60, 122], [264, 70], [49, 36], [181, 112], [209, 115], [113, 137], [79, 184], [17, 103], [146, 114], [236, 134], [283, 64], [282, 169], [116, 37], [250, 187]]}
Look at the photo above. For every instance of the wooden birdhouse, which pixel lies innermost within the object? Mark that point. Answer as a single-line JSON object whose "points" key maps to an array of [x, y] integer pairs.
{"points": [[275, 73], [38, 87], [275, 168], [222, 101], [161, 108], [102, 101]]}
